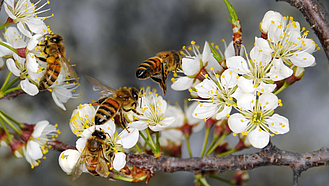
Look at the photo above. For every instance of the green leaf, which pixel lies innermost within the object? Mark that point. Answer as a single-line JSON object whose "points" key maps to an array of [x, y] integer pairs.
{"points": [[216, 55], [233, 15]]}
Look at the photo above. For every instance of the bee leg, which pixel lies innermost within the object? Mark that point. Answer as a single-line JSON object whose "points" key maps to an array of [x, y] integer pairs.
{"points": [[42, 59], [162, 84], [122, 122], [134, 110]]}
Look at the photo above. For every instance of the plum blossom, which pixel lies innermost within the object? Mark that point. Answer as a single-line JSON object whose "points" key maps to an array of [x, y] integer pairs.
{"points": [[26, 68], [216, 96], [152, 113], [256, 119], [257, 74], [25, 14], [82, 118], [36, 145], [194, 66], [287, 42]]}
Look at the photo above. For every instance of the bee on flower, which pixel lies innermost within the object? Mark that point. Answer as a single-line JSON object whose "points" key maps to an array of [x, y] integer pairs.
{"points": [[107, 156]]}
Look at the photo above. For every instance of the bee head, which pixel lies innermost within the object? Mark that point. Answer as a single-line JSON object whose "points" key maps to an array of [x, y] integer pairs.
{"points": [[56, 38], [135, 93], [99, 134]]}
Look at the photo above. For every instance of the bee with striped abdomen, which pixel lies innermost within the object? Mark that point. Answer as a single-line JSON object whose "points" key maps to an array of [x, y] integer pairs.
{"points": [[54, 50], [114, 102], [94, 156], [158, 67]]}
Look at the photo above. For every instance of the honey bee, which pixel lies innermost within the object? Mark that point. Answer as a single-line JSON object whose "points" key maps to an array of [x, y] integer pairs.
{"points": [[93, 156], [56, 62], [158, 67], [115, 102]]}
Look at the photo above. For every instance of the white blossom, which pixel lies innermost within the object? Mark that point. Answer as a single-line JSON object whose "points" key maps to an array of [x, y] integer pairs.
{"points": [[217, 96], [25, 14], [152, 113], [37, 146], [194, 65], [256, 119]]}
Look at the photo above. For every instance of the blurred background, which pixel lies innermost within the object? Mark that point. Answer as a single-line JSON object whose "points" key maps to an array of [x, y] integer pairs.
{"points": [[108, 39]]}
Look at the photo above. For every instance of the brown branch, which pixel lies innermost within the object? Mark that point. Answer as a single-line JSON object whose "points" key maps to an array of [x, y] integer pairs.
{"points": [[13, 94], [270, 155], [315, 14]]}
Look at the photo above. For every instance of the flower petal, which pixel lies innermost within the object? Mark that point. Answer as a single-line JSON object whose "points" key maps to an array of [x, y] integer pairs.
{"points": [[268, 101], [119, 161], [33, 150], [246, 102], [238, 123], [222, 114], [23, 30], [190, 66], [302, 59], [12, 67], [182, 83], [278, 124], [140, 125], [39, 127], [246, 85], [29, 88], [238, 64], [258, 138], [205, 110], [128, 140]]}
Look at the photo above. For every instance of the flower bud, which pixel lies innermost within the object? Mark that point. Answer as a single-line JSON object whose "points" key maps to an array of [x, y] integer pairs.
{"points": [[296, 76], [242, 144], [222, 148], [210, 122], [27, 130], [4, 139], [67, 160], [270, 17], [240, 178], [17, 147], [21, 52], [171, 148]]}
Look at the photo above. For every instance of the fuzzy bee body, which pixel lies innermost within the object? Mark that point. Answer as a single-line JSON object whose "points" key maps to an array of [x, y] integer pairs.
{"points": [[56, 62], [115, 102], [158, 67]]}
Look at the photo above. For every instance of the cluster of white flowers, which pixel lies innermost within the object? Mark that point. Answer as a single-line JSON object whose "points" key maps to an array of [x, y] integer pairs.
{"points": [[21, 48], [247, 84]]}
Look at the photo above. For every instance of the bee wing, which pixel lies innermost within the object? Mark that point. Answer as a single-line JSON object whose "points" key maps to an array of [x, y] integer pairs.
{"points": [[68, 67], [78, 168], [100, 87], [102, 168]]}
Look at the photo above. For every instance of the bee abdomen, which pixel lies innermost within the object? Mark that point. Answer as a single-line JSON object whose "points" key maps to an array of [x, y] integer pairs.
{"points": [[50, 76], [106, 111], [148, 68]]}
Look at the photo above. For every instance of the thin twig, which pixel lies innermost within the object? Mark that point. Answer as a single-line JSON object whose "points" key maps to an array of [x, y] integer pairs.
{"points": [[315, 14], [13, 94]]}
